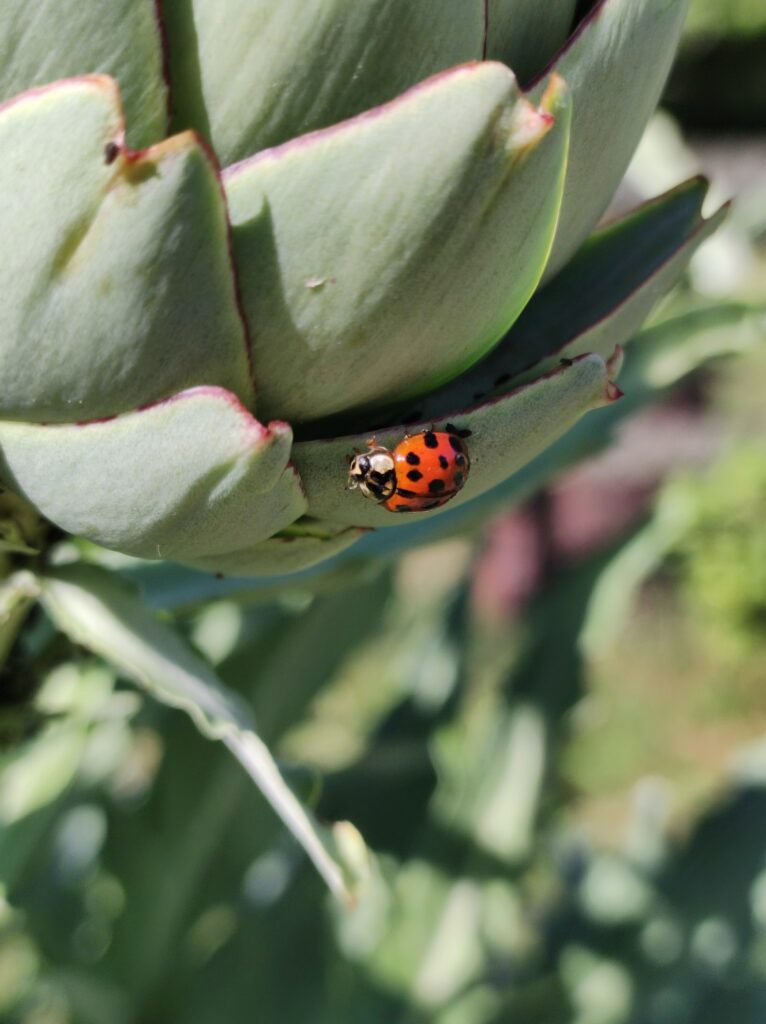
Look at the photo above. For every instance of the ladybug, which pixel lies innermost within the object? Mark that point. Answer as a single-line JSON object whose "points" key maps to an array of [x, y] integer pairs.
{"points": [[423, 471]]}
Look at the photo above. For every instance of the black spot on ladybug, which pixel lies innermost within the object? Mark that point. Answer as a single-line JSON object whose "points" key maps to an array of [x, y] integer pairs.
{"points": [[458, 479], [404, 493], [430, 440], [444, 462], [111, 152], [402, 508], [457, 444], [414, 474], [435, 487], [460, 459], [413, 458], [502, 379]]}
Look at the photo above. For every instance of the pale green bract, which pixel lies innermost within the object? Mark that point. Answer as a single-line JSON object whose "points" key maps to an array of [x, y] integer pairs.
{"points": [[239, 237]]}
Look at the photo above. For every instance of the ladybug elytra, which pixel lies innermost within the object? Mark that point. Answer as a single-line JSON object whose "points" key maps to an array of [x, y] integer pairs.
{"points": [[423, 471]]}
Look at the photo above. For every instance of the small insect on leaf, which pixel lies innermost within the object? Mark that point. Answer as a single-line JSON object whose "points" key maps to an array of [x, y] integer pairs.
{"points": [[422, 473]]}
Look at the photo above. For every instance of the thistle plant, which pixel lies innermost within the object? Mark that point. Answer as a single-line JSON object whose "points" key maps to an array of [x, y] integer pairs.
{"points": [[242, 239]]}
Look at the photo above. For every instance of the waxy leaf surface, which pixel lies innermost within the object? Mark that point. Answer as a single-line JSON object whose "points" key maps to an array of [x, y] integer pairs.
{"points": [[248, 74], [383, 256], [615, 66], [291, 550], [45, 40], [598, 301], [505, 434], [192, 476], [524, 36], [115, 273]]}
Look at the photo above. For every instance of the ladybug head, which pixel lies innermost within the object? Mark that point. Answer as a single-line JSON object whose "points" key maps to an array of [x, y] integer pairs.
{"points": [[374, 473]]}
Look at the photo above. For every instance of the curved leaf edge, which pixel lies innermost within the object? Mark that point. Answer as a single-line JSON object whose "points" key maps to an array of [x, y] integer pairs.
{"points": [[117, 150], [503, 384], [703, 228], [150, 652]]}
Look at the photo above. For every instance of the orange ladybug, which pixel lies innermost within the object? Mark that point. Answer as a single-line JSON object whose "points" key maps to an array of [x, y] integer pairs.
{"points": [[423, 471]]}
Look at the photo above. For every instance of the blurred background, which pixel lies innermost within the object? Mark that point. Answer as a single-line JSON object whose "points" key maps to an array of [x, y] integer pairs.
{"points": [[551, 729]]}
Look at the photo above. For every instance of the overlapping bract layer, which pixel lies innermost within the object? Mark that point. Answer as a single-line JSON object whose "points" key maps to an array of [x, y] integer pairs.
{"points": [[383, 256], [116, 277], [153, 306]]}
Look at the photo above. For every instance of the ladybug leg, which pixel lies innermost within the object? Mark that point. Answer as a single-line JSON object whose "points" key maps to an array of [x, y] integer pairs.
{"points": [[375, 448], [452, 429]]}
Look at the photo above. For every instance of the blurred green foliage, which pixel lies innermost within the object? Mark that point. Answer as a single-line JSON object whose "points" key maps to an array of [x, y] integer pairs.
{"points": [[145, 881], [722, 554], [719, 82], [732, 18]]}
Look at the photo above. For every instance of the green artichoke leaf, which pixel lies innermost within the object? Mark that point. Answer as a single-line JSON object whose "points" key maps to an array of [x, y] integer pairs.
{"points": [[522, 36], [382, 257], [100, 612], [248, 74], [504, 435], [304, 544], [116, 273], [657, 360], [615, 66], [192, 476], [597, 302], [621, 322], [46, 40]]}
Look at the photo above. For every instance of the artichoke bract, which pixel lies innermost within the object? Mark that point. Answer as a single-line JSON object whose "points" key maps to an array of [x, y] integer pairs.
{"points": [[241, 237]]}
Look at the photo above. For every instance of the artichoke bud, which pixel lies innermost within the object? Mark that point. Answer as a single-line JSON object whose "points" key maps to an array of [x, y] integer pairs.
{"points": [[217, 286]]}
